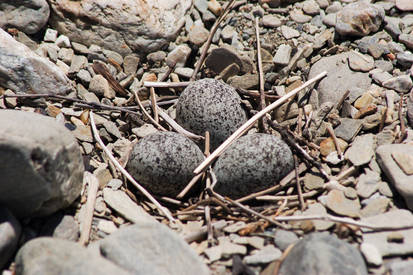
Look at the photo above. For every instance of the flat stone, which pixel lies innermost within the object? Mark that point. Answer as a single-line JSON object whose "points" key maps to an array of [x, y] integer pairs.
{"points": [[404, 5], [375, 207], [405, 162], [123, 204], [263, 256], [144, 130], [50, 256], [66, 55], [367, 183], [220, 58], [10, 230], [380, 76], [283, 55], [359, 62], [299, 17], [271, 21], [27, 16], [151, 248], [178, 56], [330, 19], [323, 253], [228, 248], [396, 218], [401, 268], [246, 81], [348, 128], [339, 204], [233, 228], [311, 7], [78, 62], [284, 238], [362, 149], [198, 35], [339, 79], [359, 19], [364, 101], [62, 227], [289, 32], [141, 28], [50, 35], [100, 86], [396, 176], [318, 209], [313, 182], [328, 146], [371, 254], [23, 71], [213, 253], [401, 84], [407, 40]]}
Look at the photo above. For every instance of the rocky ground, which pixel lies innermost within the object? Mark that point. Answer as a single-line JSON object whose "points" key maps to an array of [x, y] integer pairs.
{"points": [[320, 185]]}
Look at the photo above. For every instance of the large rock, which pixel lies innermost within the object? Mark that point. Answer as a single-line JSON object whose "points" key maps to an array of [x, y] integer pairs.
{"points": [[123, 26], [151, 248], [9, 235], [253, 163], [322, 253], [41, 166], [339, 79], [28, 16], [49, 256], [395, 160], [164, 162], [359, 19], [210, 105], [25, 72]]}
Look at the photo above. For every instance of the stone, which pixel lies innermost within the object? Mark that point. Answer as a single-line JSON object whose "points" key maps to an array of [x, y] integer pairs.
{"points": [[50, 35], [359, 19], [348, 128], [404, 161], [407, 40], [367, 183], [330, 20], [151, 248], [402, 83], [62, 227], [80, 48], [144, 130], [283, 238], [328, 146], [227, 33], [401, 268], [271, 21], [318, 209], [359, 62], [265, 255], [409, 107], [228, 248], [210, 105], [311, 7], [100, 86], [164, 162], [404, 5], [178, 56], [27, 16], [371, 254], [299, 17], [339, 204], [283, 55], [10, 230], [198, 35], [41, 164], [289, 32], [364, 101], [123, 204], [253, 163], [23, 71], [362, 149], [141, 28], [215, 7], [130, 64], [63, 41], [246, 81], [375, 206], [323, 253], [340, 77], [78, 62], [50, 256], [220, 58], [380, 76], [395, 174]]}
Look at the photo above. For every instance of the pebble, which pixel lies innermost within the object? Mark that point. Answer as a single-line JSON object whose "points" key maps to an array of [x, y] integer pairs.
{"points": [[312, 182], [252, 164], [150, 248], [63, 41], [246, 81], [289, 32], [318, 209], [371, 254], [100, 86], [311, 7], [328, 146], [210, 105], [144, 130], [401, 268], [283, 55], [265, 255], [284, 238], [50, 35], [62, 227], [220, 58], [404, 5], [318, 253], [402, 83], [271, 21], [368, 183], [339, 204], [361, 150], [10, 230], [360, 62], [178, 56], [348, 128], [375, 206]]}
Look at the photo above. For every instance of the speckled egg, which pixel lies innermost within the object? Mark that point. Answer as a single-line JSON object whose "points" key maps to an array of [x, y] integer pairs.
{"points": [[164, 162], [253, 163], [210, 105]]}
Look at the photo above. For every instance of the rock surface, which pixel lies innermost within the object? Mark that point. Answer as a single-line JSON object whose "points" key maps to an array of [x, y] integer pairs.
{"points": [[210, 105], [142, 27], [164, 162], [151, 248], [28, 16], [10, 230], [322, 253], [25, 72], [253, 163], [41, 164], [50, 256]]}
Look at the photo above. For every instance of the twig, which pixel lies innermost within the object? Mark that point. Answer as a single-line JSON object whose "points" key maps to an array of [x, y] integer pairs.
{"points": [[147, 114], [168, 72], [196, 236], [153, 103], [100, 68], [162, 209], [251, 121], [209, 40], [189, 186], [155, 84], [261, 75], [300, 192], [403, 131], [289, 197], [93, 185], [335, 140], [256, 94]]}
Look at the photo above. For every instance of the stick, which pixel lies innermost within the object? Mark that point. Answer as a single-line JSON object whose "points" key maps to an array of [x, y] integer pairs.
{"points": [[251, 121], [153, 104], [93, 185], [147, 114], [156, 84], [261, 76], [162, 209], [196, 236], [300, 192]]}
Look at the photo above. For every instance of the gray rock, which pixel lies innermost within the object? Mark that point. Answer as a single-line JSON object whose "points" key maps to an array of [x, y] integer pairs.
{"points": [[318, 209], [384, 65], [371, 254], [405, 59], [311, 7], [10, 230], [178, 56], [62, 227], [283, 54], [164, 162], [402, 83], [407, 40], [41, 164], [348, 128], [395, 174], [78, 62], [359, 19], [210, 105], [362, 149], [28, 16], [198, 35], [50, 35], [253, 163], [23, 71], [404, 5], [340, 77], [339, 204], [151, 248], [359, 62], [322, 253], [265, 255], [299, 17], [380, 77], [289, 32], [367, 183], [143, 27], [330, 20], [401, 268], [271, 21], [130, 64], [221, 58], [246, 81], [375, 206], [284, 238], [51, 256]]}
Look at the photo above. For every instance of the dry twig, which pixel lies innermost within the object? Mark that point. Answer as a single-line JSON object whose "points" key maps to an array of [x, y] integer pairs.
{"points": [[93, 185]]}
